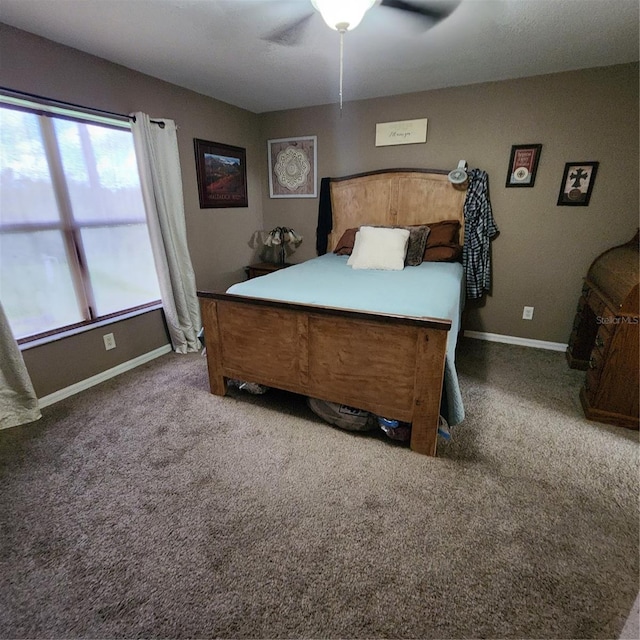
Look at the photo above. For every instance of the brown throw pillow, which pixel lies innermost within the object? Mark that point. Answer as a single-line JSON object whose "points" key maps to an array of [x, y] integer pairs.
{"points": [[445, 232], [418, 237], [450, 252], [345, 244]]}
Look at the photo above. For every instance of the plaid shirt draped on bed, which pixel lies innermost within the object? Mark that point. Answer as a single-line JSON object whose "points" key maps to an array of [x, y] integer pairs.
{"points": [[479, 229]]}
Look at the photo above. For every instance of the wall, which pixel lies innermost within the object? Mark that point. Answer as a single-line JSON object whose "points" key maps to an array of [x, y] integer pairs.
{"points": [[543, 250], [61, 363], [217, 237]]}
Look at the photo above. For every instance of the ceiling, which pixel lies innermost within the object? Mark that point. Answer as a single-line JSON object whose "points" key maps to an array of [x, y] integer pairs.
{"points": [[218, 47]]}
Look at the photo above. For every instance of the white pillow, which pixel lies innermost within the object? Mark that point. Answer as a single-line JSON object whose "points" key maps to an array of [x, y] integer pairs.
{"points": [[379, 248]]}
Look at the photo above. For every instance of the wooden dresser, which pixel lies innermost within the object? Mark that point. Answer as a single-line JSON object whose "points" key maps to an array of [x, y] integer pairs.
{"points": [[604, 340]]}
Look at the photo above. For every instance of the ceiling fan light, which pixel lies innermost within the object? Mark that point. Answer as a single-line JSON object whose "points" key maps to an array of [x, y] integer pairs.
{"points": [[342, 14]]}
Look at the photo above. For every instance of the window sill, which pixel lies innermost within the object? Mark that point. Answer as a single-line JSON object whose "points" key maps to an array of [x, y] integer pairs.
{"points": [[88, 327]]}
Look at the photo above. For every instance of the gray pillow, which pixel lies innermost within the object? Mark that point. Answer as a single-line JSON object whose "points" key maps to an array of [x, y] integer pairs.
{"points": [[416, 246]]}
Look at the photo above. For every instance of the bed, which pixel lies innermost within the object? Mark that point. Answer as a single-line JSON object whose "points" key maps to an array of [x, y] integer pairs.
{"points": [[305, 330]]}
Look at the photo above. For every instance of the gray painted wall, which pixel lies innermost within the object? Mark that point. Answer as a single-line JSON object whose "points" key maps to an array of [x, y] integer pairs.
{"points": [[543, 250], [217, 237]]}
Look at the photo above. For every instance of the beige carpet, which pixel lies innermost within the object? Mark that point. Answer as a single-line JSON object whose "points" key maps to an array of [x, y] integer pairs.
{"points": [[147, 508]]}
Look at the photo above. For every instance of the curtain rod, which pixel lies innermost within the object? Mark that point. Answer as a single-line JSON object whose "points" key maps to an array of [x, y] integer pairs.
{"points": [[61, 103]]}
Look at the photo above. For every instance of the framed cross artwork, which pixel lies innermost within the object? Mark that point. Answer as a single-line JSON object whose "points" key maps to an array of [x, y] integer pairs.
{"points": [[577, 184]]}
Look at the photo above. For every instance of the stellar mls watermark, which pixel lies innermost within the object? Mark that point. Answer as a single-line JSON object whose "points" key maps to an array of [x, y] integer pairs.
{"points": [[617, 320]]}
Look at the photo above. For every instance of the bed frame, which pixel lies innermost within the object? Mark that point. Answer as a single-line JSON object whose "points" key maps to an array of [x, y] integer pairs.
{"points": [[392, 366]]}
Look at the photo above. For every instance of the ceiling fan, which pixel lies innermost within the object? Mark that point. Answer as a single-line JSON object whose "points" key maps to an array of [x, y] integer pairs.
{"points": [[346, 15]]}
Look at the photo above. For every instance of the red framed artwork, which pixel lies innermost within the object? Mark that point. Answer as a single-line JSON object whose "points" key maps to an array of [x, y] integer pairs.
{"points": [[222, 174], [523, 165]]}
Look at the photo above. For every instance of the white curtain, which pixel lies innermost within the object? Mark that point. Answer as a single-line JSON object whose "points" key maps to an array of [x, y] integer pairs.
{"points": [[161, 181], [18, 401]]}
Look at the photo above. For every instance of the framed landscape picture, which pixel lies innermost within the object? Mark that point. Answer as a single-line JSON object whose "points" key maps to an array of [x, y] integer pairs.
{"points": [[222, 174], [293, 167], [523, 165], [577, 184]]}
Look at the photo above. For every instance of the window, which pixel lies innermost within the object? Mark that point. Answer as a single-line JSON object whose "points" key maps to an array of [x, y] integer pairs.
{"points": [[74, 244]]}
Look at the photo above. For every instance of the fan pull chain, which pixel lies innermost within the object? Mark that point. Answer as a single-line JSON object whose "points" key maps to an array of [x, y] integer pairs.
{"points": [[341, 65]]}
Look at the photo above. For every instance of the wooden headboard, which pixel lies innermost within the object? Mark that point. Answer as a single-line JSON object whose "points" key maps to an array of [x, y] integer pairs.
{"points": [[394, 197]]}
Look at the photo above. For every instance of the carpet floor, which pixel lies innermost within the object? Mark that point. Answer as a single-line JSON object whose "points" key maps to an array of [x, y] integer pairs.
{"points": [[145, 507]]}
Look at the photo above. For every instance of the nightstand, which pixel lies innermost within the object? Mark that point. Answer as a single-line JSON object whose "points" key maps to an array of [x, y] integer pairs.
{"points": [[262, 268]]}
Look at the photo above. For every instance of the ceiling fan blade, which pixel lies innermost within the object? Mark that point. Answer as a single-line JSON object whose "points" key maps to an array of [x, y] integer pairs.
{"points": [[433, 13], [291, 34]]}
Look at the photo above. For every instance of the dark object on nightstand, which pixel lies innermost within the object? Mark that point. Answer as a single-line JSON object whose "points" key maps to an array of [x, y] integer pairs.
{"points": [[262, 268], [604, 340]]}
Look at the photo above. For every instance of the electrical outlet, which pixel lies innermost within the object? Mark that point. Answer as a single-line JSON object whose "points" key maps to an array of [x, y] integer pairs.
{"points": [[527, 313], [109, 341]]}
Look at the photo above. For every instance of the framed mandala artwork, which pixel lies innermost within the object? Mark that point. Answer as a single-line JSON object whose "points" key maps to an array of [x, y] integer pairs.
{"points": [[293, 167]]}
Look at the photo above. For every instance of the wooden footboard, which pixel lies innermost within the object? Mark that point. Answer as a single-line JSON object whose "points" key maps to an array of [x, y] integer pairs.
{"points": [[392, 366]]}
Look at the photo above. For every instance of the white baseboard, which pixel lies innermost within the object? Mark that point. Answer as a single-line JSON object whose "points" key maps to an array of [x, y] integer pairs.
{"points": [[61, 394], [523, 342]]}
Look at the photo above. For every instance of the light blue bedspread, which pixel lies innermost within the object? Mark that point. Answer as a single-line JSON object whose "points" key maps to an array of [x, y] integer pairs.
{"points": [[432, 289]]}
